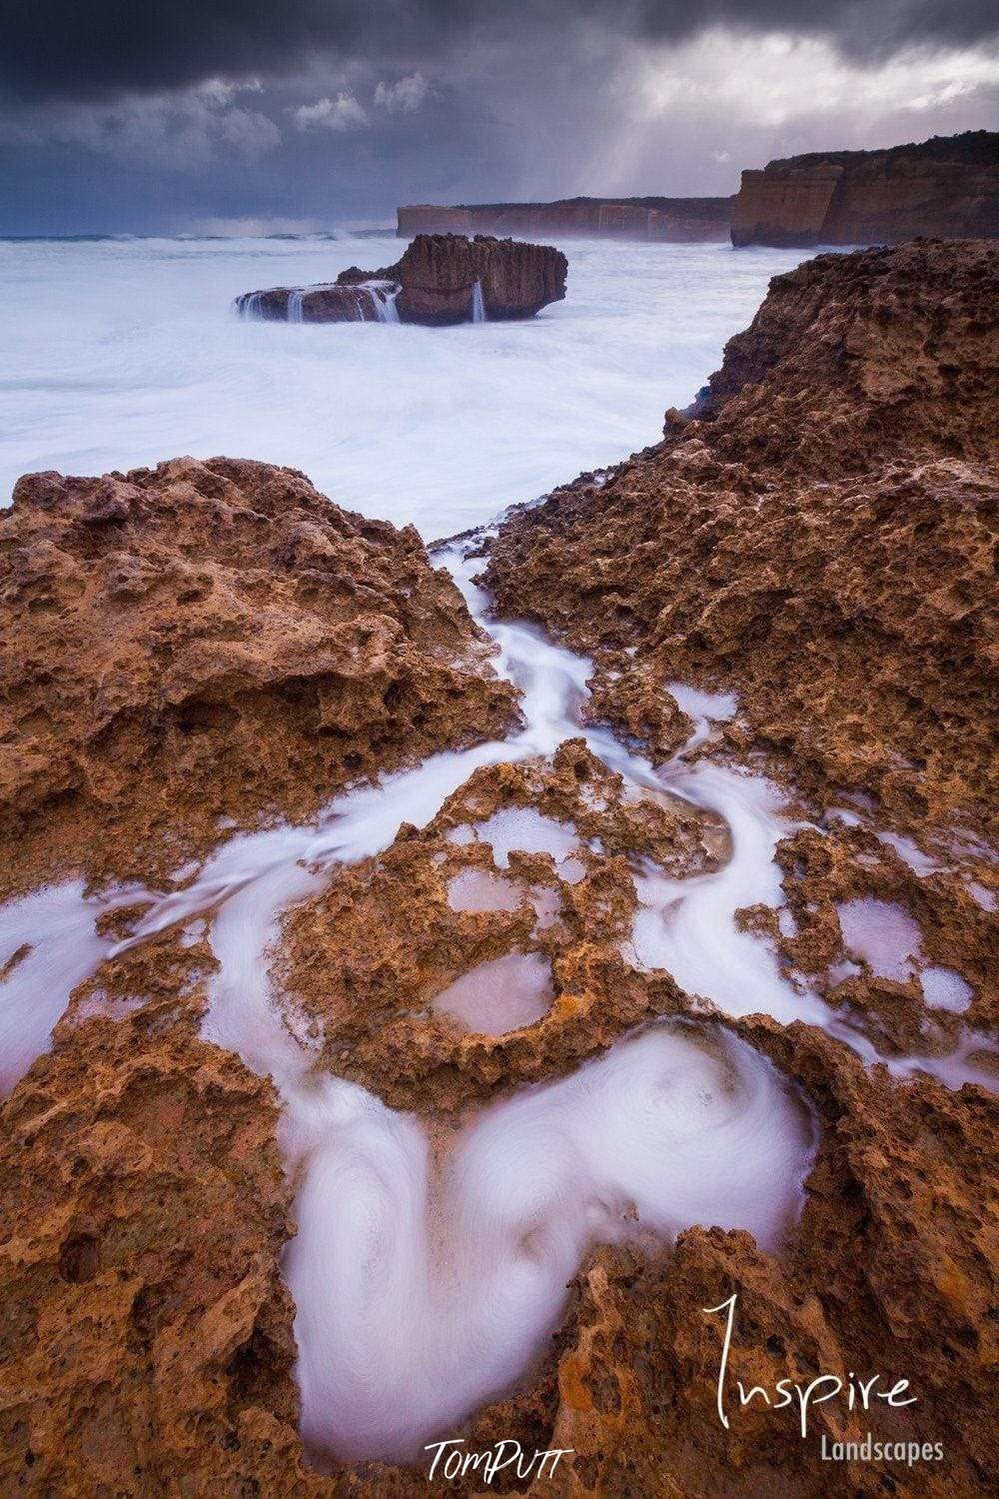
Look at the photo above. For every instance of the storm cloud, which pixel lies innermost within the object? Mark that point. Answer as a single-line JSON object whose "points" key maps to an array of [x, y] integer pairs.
{"points": [[62, 49], [167, 115]]}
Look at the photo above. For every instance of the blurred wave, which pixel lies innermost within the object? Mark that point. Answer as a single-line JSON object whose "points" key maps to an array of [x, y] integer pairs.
{"points": [[121, 352]]}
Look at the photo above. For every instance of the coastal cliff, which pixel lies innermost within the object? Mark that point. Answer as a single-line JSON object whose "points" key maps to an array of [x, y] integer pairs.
{"points": [[678, 220], [946, 186]]}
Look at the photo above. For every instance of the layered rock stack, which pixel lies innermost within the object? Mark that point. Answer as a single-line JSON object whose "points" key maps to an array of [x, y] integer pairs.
{"points": [[944, 187], [440, 279], [439, 273]]}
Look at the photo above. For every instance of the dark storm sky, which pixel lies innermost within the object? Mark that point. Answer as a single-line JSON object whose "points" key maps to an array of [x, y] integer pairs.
{"points": [[147, 116]]}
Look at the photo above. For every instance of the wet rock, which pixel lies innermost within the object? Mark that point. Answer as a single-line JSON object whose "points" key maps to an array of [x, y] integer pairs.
{"points": [[827, 872], [631, 699], [147, 1338], [361, 964], [820, 539], [212, 642], [367, 302], [440, 279]]}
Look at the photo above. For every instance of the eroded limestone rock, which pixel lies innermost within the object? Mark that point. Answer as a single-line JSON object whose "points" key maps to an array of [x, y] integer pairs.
{"points": [[207, 644]]}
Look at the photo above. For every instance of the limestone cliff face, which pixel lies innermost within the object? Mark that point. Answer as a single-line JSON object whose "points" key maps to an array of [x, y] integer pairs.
{"points": [[440, 279], [942, 187], [428, 218], [676, 219]]}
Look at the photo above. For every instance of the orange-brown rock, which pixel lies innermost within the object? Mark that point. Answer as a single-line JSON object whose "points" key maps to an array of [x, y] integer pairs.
{"points": [[820, 538], [146, 1335], [889, 1273], [208, 644], [361, 963], [823, 869], [946, 186], [146, 1338], [642, 713], [436, 282]]}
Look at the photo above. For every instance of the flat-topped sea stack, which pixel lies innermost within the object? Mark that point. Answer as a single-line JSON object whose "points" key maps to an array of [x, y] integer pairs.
{"points": [[441, 279], [948, 187], [669, 219]]}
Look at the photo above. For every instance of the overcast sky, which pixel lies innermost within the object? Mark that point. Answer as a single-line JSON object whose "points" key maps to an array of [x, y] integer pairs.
{"points": [[178, 115]]}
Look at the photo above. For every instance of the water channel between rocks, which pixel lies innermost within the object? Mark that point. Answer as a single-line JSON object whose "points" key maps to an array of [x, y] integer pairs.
{"points": [[426, 1276]]}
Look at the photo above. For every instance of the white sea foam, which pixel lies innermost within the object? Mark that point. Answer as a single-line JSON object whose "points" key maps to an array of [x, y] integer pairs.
{"points": [[688, 926], [479, 890], [945, 988], [123, 354], [424, 1285], [527, 830], [50, 943], [910, 853]]}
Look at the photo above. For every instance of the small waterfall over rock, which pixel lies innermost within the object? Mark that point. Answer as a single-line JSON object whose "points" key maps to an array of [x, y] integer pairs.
{"points": [[478, 304], [248, 305], [383, 295], [296, 305]]}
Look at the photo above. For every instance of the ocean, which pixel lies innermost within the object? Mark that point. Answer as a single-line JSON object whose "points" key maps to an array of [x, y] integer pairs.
{"points": [[119, 353]]}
